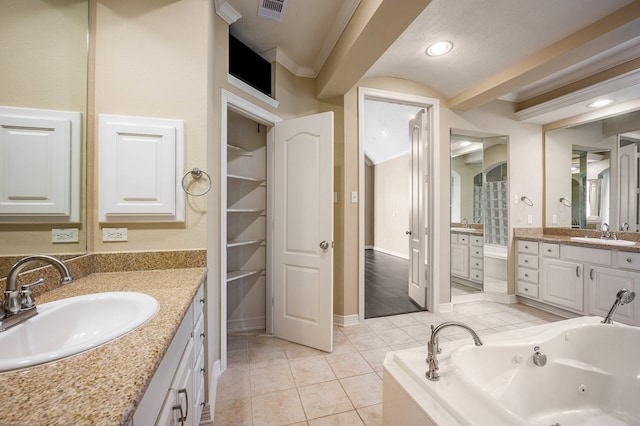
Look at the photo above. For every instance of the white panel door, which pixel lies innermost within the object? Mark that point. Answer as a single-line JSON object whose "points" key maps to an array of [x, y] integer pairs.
{"points": [[303, 231], [628, 167], [417, 247]]}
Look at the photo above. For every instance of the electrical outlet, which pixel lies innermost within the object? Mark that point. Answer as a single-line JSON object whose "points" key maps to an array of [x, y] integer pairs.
{"points": [[114, 234], [354, 196], [68, 235]]}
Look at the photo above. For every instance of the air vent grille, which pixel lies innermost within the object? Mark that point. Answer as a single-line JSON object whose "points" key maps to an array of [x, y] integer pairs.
{"points": [[272, 9]]}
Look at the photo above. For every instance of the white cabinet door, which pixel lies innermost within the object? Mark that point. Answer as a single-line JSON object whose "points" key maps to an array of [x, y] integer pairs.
{"points": [[562, 284], [604, 284], [460, 260], [177, 409]]}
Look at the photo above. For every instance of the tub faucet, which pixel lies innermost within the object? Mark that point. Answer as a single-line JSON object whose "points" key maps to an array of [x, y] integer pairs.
{"points": [[623, 297], [19, 305], [433, 349]]}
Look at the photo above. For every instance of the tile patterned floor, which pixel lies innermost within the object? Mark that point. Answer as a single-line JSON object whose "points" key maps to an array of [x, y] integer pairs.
{"points": [[273, 382]]}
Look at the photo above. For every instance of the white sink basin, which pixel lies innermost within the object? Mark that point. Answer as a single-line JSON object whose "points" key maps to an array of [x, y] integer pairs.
{"points": [[603, 241], [70, 326]]}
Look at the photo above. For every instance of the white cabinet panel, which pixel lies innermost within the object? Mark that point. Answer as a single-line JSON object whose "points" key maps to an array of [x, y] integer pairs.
{"points": [[40, 165], [141, 162], [562, 284], [604, 284]]}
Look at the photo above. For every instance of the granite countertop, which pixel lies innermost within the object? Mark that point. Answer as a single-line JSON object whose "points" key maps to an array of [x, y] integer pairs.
{"points": [[566, 239], [472, 231], [104, 385]]}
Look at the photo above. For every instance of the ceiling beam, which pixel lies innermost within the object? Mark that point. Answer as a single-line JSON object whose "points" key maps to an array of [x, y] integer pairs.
{"points": [[568, 51], [374, 26]]}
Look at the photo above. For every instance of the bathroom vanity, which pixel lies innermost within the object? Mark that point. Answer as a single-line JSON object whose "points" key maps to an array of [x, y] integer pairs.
{"points": [[583, 278], [136, 379]]}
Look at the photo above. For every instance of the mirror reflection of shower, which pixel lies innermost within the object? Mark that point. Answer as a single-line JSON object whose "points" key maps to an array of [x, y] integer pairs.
{"points": [[479, 213], [590, 188]]}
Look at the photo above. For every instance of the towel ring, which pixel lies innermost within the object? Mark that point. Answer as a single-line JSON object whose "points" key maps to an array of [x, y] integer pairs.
{"points": [[196, 174], [565, 202], [526, 200]]}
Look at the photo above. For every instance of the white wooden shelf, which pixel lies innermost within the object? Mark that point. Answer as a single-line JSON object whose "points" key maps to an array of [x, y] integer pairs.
{"points": [[238, 275], [244, 243], [246, 179], [245, 210], [236, 150]]}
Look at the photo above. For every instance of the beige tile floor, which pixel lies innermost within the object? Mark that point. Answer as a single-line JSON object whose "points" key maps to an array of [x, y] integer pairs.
{"points": [[273, 382]]}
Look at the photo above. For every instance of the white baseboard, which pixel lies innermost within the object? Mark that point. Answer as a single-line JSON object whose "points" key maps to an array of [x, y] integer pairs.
{"points": [[207, 416], [246, 324], [445, 307], [469, 297], [500, 297], [346, 320], [392, 253], [368, 247]]}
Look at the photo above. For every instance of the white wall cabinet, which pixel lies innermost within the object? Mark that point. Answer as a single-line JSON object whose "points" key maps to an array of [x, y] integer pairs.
{"points": [[579, 279], [141, 162], [175, 395]]}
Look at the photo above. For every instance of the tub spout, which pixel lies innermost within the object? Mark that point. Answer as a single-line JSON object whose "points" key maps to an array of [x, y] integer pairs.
{"points": [[433, 349]]}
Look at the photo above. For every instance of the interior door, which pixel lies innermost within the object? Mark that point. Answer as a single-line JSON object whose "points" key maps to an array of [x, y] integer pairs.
{"points": [[628, 167], [417, 234], [303, 231]]}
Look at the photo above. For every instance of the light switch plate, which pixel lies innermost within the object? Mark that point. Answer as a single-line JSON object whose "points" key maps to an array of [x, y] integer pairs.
{"points": [[354, 196]]}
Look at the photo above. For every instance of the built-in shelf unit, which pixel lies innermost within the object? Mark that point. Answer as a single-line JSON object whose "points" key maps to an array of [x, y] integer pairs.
{"points": [[246, 249]]}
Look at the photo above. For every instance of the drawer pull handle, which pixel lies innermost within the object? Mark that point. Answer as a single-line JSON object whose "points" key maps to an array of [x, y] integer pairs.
{"points": [[548, 250], [526, 261], [526, 275], [526, 247], [202, 335], [628, 260], [591, 274], [526, 289], [202, 300], [578, 271]]}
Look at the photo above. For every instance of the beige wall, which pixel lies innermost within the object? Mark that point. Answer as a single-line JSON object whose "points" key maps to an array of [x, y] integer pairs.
{"points": [[147, 64], [392, 202]]}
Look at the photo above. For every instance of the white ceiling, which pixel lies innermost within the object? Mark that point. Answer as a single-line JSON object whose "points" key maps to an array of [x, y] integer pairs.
{"points": [[489, 37]]}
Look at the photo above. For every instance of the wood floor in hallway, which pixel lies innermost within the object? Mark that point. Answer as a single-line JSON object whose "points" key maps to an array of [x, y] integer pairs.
{"points": [[386, 285]]}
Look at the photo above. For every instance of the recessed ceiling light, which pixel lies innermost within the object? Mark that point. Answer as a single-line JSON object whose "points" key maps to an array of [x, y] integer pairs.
{"points": [[439, 48], [600, 103], [384, 132]]}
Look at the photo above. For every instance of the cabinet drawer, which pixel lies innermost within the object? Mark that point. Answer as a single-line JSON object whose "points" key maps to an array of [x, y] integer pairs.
{"points": [[529, 247], [476, 252], [476, 263], [476, 275], [528, 260], [477, 240], [527, 289], [529, 275], [587, 255], [628, 260], [463, 239], [551, 250]]}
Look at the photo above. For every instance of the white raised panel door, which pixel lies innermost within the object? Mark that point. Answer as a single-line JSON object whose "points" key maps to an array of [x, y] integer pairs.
{"points": [[562, 284], [460, 260], [628, 185], [303, 231], [417, 247], [604, 284]]}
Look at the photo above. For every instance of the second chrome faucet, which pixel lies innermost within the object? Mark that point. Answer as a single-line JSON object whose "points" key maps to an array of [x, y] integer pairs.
{"points": [[433, 349]]}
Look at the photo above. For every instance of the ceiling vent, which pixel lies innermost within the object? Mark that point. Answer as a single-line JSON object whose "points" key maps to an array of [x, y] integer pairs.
{"points": [[272, 9]]}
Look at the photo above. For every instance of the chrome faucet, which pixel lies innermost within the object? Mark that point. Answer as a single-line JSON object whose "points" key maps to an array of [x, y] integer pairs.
{"points": [[464, 222], [19, 305], [433, 349], [623, 297], [606, 233]]}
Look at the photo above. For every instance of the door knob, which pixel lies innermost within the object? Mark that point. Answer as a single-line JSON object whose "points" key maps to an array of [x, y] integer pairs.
{"points": [[324, 245], [407, 232]]}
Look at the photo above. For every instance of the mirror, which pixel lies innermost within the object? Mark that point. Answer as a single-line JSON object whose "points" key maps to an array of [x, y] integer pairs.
{"points": [[44, 46], [479, 211], [591, 174]]}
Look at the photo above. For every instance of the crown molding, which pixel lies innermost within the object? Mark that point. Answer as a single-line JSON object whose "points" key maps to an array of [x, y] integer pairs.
{"points": [[226, 12]]}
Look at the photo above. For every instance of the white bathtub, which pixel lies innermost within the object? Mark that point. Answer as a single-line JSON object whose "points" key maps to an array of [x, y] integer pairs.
{"points": [[592, 377]]}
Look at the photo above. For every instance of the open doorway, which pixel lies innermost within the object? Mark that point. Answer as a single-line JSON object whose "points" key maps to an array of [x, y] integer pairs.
{"points": [[386, 202]]}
